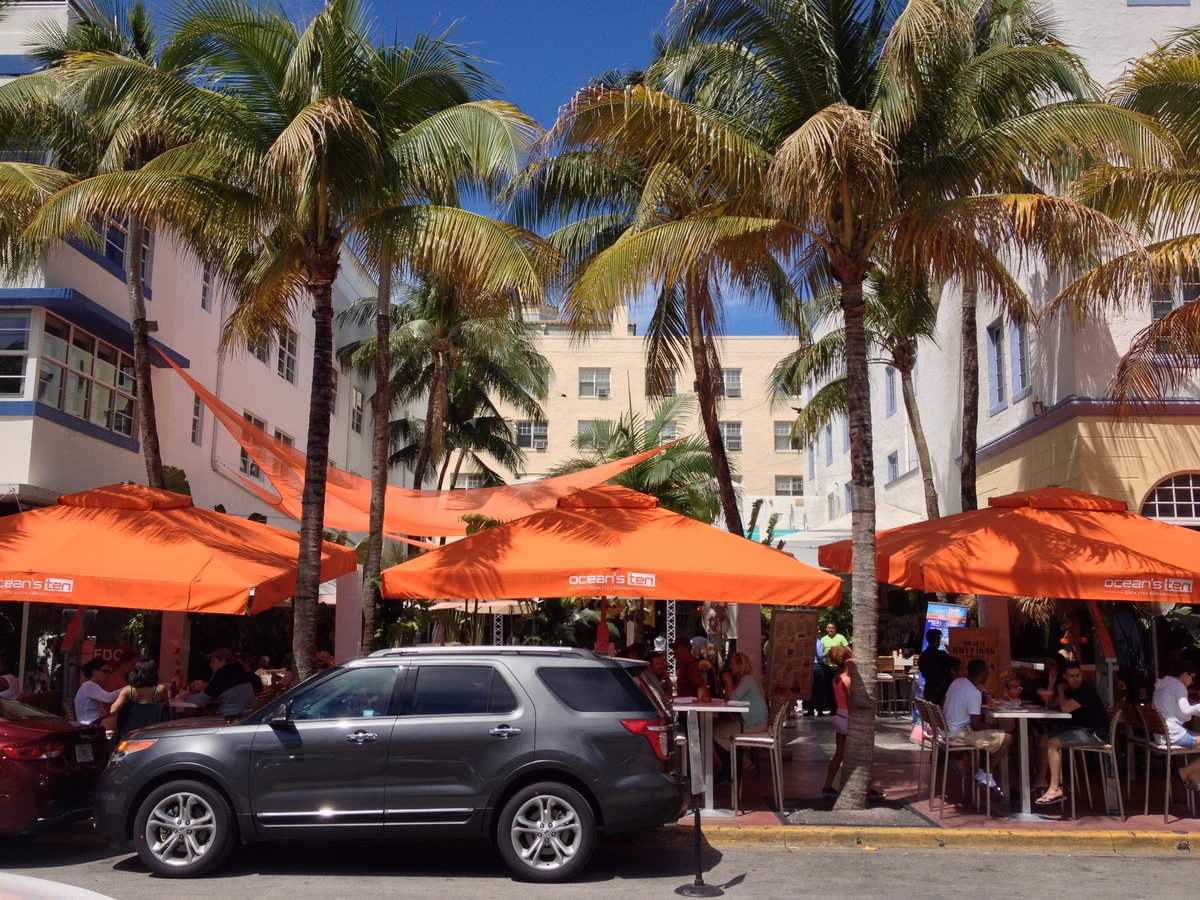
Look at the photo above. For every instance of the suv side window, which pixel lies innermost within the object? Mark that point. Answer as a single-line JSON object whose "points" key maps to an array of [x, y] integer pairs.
{"points": [[458, 691], [595, 689], [353, 693]]}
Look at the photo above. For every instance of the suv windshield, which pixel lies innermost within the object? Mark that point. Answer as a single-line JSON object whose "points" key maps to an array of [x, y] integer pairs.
{"points": [[594, 689]]}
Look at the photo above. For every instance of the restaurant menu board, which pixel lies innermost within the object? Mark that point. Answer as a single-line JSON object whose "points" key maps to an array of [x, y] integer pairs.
{"points": [[979, 643], [944, 616], [790, 655]]}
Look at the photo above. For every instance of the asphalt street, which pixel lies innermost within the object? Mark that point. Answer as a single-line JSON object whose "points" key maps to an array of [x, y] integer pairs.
{"points": [[618, 869]]}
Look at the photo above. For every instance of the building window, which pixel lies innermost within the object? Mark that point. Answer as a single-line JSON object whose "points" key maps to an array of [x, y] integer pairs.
{"points": [[893, 466], [14, 352], [997, 394], [285, 365], [846, 491], [333, 392], [789, 486], [197, 420], [1178, 292], [1176, 500], [732, 381], [731, 435], [284, 438], [533, 435], [586, 434], [889, 391], [812, 462], [845, 434], [670, 389], [667, 432], [115, 235], [829, 445], [831, 506], [1018, 339], [261, 348], [595, 382], [468, 481], [248, 466], [206, 287], [357, 402], [783, 438], [86, 378]]}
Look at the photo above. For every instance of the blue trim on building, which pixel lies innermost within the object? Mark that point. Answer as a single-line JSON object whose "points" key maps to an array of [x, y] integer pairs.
{"points": [[20, 408], [14, 64], [89, 315], [106, 264]]}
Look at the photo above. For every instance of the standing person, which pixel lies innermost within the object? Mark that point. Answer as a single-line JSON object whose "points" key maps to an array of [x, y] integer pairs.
{"points": [[145, 700], [816, 702], [746, 688], [121, 666], [689, 677], [934, 666], [1089, 726], [839, 656], [829, 640], [1171, 699], [92, 700], [10, 685], [227, 687], [964, 718]]}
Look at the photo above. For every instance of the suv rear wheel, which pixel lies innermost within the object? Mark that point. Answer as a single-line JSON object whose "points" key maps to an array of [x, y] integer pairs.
{"points": [[183, 829], [546, 832]]}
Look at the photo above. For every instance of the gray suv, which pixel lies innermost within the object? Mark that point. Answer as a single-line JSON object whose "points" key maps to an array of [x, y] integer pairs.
{"points": [[537, 748]]}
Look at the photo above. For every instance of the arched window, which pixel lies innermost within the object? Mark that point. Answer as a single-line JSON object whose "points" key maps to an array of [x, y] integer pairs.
{"points": [[1175, 500]]}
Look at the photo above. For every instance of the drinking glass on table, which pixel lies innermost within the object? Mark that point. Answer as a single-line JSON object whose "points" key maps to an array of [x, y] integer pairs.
{"points": [[1045, 693]]}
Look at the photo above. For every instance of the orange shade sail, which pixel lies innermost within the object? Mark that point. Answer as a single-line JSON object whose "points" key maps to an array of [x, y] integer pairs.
{"points": [[1049, 542], [613, 542], [406, 511], [134, 547]]}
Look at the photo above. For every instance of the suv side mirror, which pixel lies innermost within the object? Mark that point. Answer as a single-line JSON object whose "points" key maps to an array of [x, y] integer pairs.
{"points": [[281, 715]]}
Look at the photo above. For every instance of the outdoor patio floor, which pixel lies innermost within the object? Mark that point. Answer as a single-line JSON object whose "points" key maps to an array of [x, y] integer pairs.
{"points": [[810, 741]]}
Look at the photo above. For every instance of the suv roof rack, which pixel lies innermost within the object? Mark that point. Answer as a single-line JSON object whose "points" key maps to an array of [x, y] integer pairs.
{"points": [[479, 650]]}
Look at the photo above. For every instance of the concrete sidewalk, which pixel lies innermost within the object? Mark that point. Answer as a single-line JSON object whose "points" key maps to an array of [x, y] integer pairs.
{"points": [[902, 819]]}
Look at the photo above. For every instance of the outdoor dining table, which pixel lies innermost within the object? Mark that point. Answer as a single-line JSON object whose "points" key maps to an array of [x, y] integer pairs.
{"points": [[1023, 715], [703, 712]]}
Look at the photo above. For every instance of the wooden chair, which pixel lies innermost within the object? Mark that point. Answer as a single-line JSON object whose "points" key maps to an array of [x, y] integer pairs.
{"points": [[771, 741], [928, 741], [1107, 753], [1135, 736], [946, 745]]}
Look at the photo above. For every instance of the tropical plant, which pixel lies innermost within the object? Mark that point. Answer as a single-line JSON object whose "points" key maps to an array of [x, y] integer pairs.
{"points": [[301, 142], [681, 475]]}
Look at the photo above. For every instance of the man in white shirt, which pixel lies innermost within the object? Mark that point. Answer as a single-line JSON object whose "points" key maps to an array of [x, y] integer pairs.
{"points": [[964, 717]]}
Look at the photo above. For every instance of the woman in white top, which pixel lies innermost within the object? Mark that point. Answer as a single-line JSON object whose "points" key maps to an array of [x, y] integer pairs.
{"points": [[91, 695], [1171, 699]]}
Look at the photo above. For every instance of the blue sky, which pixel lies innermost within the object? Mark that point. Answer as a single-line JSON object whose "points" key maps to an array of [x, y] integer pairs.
{"points": [[541, 52]]}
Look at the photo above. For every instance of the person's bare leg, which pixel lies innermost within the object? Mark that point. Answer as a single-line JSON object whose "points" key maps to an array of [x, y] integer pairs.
{"points": [[835, 763], [1054, 758], [1191, 772], [998, 756]]}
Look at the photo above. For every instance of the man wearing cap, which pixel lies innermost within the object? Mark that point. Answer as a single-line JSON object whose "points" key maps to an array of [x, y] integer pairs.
{"points": [[228, 686]]}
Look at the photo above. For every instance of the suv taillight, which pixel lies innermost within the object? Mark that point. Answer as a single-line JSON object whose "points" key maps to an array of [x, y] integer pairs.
{"points": [[653, 730]]}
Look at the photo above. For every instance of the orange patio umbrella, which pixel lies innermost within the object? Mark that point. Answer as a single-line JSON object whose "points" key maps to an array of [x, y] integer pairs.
{"points": [[1049, 542], [134, 547], [610, 541]]}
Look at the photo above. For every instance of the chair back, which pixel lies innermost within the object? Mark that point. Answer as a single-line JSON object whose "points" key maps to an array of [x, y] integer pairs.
{"points": [[1135, 725], [1156, 725], [781, 717], [1114, 722]]}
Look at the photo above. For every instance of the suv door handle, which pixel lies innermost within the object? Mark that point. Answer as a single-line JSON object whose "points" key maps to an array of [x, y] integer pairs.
{"points": [[360, 737], [505, 731]]}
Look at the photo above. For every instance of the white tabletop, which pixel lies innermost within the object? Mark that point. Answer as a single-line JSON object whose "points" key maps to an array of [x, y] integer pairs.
{"points": [[1029, 712], [691, 704]]}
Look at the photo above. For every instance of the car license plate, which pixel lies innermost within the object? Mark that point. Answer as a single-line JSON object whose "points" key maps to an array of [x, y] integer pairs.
{"points": [[83, 753]]}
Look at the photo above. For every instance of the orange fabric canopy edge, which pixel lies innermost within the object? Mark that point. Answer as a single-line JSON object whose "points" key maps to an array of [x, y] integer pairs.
{"points": [[132, 547], [428, 513], [609, 541], [1054, 542]]}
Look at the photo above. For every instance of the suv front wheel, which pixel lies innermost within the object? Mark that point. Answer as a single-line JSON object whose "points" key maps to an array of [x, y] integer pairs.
{"points": [[183, 829], [546, 832]]}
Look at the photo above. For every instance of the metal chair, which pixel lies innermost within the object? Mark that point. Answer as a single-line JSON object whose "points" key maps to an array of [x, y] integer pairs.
{"points": [[884, 684], [947, 745], [771, 741], [1106, 753], [1156, 730], [1135, 736]]}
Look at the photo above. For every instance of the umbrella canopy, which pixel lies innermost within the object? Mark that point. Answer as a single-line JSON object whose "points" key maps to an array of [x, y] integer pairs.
{"points": [[613, 542], [135, 547], [1050, 542]]}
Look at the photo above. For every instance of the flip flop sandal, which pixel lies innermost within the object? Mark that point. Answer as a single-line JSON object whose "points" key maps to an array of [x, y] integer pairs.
{"points": [[1047, 801]]}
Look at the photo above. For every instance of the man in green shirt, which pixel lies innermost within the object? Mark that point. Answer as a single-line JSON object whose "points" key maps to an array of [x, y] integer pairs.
{"points": [[829, 640]]}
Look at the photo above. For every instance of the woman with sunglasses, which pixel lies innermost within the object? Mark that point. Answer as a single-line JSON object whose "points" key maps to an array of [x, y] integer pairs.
{"points": [[91, 700]]}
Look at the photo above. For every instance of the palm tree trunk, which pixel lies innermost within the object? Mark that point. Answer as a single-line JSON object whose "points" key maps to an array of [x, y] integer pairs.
{"points": [[970, 388], [435, 416], [462, 457], [706, 398], [312, 510], [441, 482], [860, 741], [914, 419], [380, 409], [147, 416]]}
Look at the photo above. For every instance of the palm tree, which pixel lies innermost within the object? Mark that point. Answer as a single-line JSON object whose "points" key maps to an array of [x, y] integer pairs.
{"points": [[303, 148], [835, 133], [682, 476], [900, 312]]}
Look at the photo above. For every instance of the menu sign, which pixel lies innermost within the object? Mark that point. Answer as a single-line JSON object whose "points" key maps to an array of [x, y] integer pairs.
{"points": [[790, 654], [978, 643]]}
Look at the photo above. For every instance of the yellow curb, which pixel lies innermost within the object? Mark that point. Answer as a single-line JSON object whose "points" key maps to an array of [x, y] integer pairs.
{"points": [[936, 838]]}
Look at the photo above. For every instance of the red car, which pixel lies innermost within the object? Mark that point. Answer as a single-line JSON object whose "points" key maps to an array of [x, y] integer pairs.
{"points": [[48, 768]]}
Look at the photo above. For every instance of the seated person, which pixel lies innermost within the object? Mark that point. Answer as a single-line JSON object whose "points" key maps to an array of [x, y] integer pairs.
{"points": [[145, 700], [964, 719], [92, 701], [1089, 724], [1171, 699], [689, 676], [228, 687]]}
